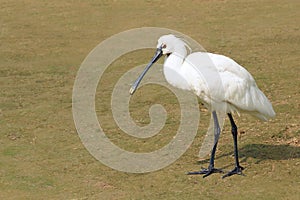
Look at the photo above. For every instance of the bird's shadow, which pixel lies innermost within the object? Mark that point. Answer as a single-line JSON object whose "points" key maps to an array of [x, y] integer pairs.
{"points": [[262, 152]]}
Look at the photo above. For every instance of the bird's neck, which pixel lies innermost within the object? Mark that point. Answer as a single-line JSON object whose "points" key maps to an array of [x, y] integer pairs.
{"points": [[174, 61], [172, 70]]}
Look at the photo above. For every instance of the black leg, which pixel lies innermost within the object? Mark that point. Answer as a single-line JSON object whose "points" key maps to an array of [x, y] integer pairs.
{"points": [[211, 168], [238, 169]]}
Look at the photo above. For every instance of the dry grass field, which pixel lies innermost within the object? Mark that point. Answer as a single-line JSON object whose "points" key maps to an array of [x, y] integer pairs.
{"points": [[42, 45]]}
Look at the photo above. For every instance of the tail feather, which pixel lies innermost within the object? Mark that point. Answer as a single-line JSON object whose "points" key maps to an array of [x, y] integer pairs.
{"points": [[263, 107], [255, 103]]}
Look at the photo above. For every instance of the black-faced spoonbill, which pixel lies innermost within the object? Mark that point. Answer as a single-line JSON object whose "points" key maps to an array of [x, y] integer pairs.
{"points": [[222, 85]]}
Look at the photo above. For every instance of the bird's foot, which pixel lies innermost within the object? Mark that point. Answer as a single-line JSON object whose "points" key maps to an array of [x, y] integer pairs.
{"points": [[210, 170], [237, 170]]}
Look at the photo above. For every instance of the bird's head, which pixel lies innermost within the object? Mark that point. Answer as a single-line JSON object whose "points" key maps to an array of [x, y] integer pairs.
{"points": [[166, 45], [170, 44]]}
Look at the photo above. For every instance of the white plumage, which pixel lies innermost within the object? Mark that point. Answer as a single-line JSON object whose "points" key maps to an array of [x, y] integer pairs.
{"points": [[222, 84]]}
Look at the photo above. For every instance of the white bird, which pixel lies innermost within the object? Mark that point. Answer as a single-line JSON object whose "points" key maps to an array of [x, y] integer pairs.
{"points": [[223, 85]]}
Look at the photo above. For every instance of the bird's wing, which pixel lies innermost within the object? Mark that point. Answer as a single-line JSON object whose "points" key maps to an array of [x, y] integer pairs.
{"points": [[209, 75], [224, 85], [241, 91]]}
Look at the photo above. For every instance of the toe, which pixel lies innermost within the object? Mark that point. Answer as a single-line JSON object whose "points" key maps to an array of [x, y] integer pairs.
{"points": [[237, 170]]}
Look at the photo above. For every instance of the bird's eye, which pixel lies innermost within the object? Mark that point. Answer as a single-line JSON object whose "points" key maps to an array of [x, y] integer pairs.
{"points": [[163, 45]]}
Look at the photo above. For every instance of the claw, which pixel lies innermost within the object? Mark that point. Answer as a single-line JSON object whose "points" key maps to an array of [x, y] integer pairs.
{"points": [[206, 172], [237, 170]]}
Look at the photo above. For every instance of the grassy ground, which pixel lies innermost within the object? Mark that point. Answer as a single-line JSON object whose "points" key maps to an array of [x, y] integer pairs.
{"points": [[42, 44]]}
